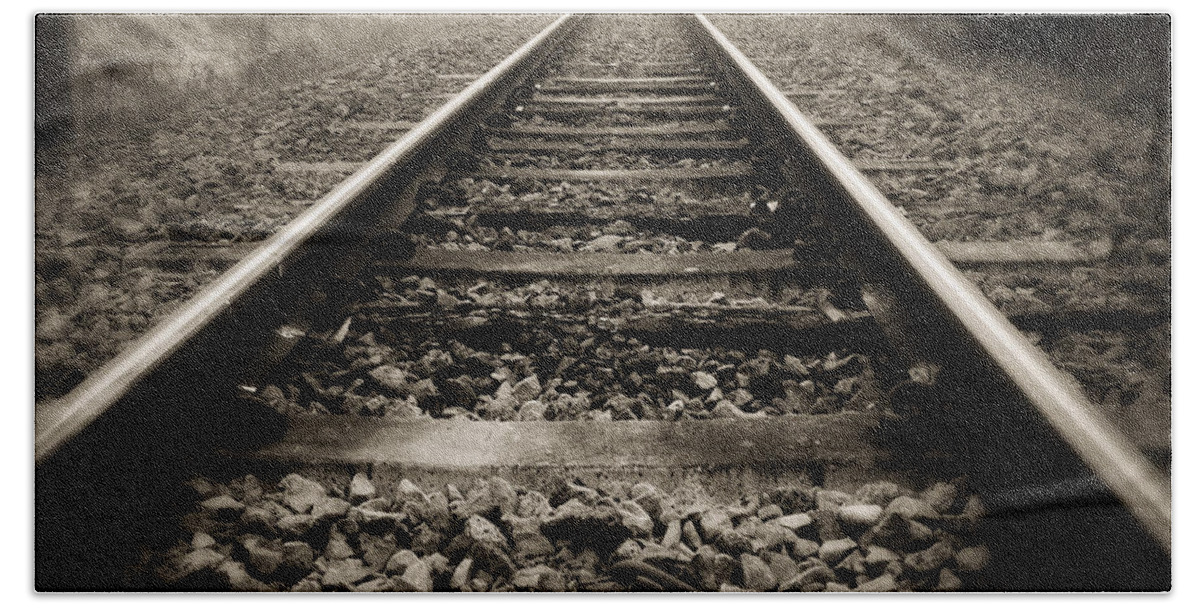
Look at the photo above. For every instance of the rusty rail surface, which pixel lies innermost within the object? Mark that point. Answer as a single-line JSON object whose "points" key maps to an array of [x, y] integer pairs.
{"points": [[58, 421], [1115, 460]]}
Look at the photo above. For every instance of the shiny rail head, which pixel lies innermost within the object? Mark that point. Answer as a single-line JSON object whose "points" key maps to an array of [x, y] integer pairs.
{"points": [[57, 421], [1143, 489]]}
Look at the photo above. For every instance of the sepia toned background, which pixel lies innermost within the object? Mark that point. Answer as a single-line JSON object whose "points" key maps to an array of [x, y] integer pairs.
{"points": [[161, 129]]}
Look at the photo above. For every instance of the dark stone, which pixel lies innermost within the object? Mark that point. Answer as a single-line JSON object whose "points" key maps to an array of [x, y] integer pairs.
{"points": [[600, 527], [459, 392], [528, 541], [425, 540], [492, 559], [931, 558], [263, 559], [827, 526], [297, 560]]}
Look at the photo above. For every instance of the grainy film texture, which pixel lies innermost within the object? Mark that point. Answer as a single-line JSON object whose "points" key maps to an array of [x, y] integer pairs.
{"points": [[585, 303]]}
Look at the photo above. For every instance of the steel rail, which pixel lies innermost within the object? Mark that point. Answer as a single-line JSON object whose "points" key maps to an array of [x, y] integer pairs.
{"points": [[1099, 444], [58, 421]]}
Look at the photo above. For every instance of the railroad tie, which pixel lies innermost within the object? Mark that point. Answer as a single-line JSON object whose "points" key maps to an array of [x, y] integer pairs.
{"points": [[501, 263], [639, 322], [623, 145], [665, 174], [621, 102], [675, 109], [657, 131], [673, 84]]}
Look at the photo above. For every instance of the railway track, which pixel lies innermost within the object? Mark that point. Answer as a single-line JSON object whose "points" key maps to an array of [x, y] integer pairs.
{"points": [[651, 271]]}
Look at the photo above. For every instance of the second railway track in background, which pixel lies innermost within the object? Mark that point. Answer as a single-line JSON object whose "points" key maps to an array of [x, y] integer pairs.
{"points": [[705, 231]]}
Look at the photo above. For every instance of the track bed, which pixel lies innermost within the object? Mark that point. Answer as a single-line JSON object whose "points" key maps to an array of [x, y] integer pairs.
{"points": [[600, 332]]}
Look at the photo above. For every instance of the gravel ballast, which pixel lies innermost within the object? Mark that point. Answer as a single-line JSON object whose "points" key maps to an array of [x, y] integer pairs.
{"points": [[552, 351], [213, 173], [1026, 156], [593, 200], [301, 535]]}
